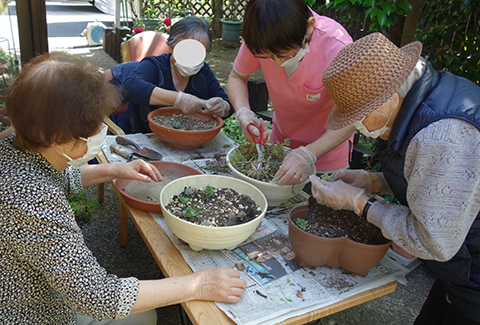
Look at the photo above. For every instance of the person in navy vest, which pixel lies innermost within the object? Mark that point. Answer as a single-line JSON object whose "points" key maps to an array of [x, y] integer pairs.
{"points": [[428, 123]]}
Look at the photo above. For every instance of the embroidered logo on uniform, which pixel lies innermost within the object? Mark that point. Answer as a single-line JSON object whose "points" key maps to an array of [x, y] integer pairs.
{"points": [[313, 98]]}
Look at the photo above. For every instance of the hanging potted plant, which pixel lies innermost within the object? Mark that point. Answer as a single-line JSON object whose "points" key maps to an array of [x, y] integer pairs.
{"points": [[232, 24]]}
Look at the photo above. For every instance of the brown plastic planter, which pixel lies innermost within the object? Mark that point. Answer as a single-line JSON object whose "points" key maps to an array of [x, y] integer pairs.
{"points": [[311, 250], [181, 139]]}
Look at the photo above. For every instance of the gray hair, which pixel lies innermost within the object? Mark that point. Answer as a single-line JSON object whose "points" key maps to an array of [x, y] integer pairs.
{"points": [[190, 27], [417, 72]]}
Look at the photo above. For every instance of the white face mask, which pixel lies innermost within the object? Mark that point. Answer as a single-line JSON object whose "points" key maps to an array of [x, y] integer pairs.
{"points": [[94, 145], [188, 71], [371, 134], [296, 59]]}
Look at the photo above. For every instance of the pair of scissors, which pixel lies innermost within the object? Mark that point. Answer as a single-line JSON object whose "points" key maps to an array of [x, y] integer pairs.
{"points": [[259, 143]]}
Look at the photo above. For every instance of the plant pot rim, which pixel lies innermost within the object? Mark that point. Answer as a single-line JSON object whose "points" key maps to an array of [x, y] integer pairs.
{"points": [[335, 239], [232, 21]]}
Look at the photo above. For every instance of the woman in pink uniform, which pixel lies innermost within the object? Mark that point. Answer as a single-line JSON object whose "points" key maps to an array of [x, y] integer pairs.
{"points": [[293, 46]]}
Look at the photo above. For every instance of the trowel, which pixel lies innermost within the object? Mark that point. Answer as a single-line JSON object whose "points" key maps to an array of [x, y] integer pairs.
{"points": [[143, 152]]}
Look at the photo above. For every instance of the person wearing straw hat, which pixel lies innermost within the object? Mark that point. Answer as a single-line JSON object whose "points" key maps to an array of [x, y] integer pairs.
{"points": [[428, 123], [293, 46]]}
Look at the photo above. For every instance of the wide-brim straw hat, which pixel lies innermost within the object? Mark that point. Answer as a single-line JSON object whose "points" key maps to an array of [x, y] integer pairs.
{"points": [[365, 74]]}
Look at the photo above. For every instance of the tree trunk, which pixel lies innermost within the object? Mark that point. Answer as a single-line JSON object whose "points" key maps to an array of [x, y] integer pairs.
{"points": [[217, 6], [411, 21]]}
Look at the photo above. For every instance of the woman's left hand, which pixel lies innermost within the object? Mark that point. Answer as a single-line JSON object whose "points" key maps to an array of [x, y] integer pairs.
{"points": [[296, 167], [139, 170], [217, 106]]}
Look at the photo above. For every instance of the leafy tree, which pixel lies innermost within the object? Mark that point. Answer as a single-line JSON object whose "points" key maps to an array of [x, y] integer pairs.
{"points": [[451, 36]]}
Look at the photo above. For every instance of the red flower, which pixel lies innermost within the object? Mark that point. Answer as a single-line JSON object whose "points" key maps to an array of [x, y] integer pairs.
{"points": [[138, 30], [167, 21]]}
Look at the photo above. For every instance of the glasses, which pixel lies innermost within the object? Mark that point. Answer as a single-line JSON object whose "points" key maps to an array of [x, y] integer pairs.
{"points": [[278, 57]]}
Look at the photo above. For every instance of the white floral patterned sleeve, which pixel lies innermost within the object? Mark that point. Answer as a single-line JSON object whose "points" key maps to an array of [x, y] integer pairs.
{"points": [[46, 270], [442, 168]]}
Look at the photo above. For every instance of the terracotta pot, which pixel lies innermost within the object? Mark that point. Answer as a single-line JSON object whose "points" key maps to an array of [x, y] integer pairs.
{"points": [[145, 196], [180, 139], [311, 250]]}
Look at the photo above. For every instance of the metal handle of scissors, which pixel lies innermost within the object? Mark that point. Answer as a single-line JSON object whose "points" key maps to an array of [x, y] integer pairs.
{"points": [[257, 139]]}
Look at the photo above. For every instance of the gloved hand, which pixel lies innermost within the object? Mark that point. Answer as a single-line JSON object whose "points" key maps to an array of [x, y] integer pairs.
{"points": [[296, 167], [189, 104], [245, 116], [356, 177], [336, 195], [217, 106]]}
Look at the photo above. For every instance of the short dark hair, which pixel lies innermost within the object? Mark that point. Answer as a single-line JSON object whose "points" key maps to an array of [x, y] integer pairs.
{"points": [[275, 25], [56, 98], [191, 26]]}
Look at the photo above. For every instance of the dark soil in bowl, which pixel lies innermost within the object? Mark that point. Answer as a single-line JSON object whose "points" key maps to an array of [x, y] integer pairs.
{"points": [[184, 122], [325, 222], [213, 207]]}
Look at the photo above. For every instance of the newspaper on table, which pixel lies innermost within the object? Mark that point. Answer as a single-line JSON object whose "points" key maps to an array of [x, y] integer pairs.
{"points": [[221, 144], [277, 288]]}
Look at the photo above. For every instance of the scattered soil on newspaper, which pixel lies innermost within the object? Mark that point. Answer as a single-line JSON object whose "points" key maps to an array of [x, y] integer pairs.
{"points": [[328, 223], [184, 122], [213, 207]]}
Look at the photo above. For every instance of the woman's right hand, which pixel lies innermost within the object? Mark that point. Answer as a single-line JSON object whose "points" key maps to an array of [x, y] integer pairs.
{"points": [[244, 117], [189, 104], [219, 284]]}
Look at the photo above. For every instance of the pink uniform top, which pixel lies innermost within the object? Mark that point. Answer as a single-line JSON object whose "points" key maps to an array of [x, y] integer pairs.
{"points": [[301, 102]]}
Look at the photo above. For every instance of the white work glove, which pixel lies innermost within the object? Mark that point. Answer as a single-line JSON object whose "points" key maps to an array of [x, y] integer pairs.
{"points": [[244, 117], [356, 177], [217, 106], [296, 167], [336, 195], [189, 104]]}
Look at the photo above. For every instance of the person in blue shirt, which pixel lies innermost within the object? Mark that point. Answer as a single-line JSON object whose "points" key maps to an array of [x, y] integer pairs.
{"points": [[181, 78]]}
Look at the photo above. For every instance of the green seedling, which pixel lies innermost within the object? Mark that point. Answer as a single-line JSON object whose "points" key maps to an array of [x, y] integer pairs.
{"points": [[183, 200], [242, 215], [176, 124], [245, 160], [191, 211], [328, 177], [208, 190], [302, 224], [189, 191]]}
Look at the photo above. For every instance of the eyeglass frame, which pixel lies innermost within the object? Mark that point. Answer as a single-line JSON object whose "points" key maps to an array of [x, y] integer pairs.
{"points": [[275, 57]]}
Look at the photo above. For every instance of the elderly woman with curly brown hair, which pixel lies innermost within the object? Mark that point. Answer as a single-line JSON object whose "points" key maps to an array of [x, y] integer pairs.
{"points": [[48, 275]]}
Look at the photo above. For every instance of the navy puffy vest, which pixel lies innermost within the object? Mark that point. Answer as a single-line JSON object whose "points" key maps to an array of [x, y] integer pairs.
{"points": [[437, 95]]}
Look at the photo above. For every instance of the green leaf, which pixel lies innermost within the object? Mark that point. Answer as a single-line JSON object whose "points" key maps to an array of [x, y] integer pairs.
{"points": [[374, 13], [382, 18], [369, 3], [405, 6], [387, 7]]}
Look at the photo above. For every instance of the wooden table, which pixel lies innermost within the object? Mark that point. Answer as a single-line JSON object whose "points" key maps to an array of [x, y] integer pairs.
{"points": [[172, 264]]}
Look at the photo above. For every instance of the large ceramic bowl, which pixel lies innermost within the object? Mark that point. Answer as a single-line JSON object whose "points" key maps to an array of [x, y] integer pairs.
{"points": [[181, 139], [202, 237], [144, 196], [312, 250], [275, 194]]}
